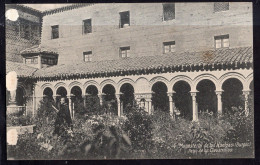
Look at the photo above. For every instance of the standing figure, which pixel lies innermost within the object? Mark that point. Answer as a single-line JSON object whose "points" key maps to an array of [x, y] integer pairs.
{"points": [[63, 120]]}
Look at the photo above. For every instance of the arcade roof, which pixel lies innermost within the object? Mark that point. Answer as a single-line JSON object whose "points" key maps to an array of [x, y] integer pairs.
{"points": [[20, 69], [227, 58], [37, 49]]}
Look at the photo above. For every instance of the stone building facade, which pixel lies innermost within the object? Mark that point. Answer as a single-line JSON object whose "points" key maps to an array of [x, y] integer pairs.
{"points": [[23, 33], [180, 57]]}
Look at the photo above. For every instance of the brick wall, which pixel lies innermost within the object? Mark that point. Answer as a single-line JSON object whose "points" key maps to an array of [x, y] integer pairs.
{"points": [[193, 29], [14, 42]]}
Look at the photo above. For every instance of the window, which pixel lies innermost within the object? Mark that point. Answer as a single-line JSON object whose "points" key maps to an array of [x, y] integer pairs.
{"points": [[28, 60], [31, 60], [87, 56], [49, 61], [35, 30], [221, 6], [25, 30], [44, 60], [169, 47], [124, 19], [221, 41], [125, 52], [168, 11], [87, 27], [55, 32], [35, 60]]}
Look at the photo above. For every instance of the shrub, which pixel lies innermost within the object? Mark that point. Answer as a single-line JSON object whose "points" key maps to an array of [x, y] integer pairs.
{"points": [[169, 136], [139, 128], [243, 126]]}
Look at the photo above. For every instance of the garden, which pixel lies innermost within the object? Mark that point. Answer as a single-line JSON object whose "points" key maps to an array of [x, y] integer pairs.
{"points": [[97, 134]]}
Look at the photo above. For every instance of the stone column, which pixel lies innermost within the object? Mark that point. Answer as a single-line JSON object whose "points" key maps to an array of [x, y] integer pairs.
{"points": [[70, 106], [85, 99], [100, 96], [219, 93], [138, 100], [246, 94], [12, 100], [39, 61], [170, 94], [194, 106], [149, 105], [118, 104]]}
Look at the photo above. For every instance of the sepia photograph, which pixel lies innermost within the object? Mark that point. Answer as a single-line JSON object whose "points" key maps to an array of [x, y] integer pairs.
{"points": [[102, 81]]}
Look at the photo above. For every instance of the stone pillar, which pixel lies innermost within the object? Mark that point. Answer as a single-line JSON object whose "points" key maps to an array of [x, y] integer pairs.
{"points": [[39, 61], [85, 99], [12, 100], [138, 102], [149, 105], [70, 106], [118, 104], [194, 107], [219, 93], [100, 96], [246, 94], [170, 94]]}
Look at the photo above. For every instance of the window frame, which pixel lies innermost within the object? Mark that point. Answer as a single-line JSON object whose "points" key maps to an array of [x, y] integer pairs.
{"points": [[174, 7], [170, 44], [214, 7], [52, 31], [121, 26], [125, 49], [83, 26], [88, 54], [22, 24], [221, 38]]}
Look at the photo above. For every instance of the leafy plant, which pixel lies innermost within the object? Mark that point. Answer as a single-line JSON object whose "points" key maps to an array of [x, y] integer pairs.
{"points": [[139, 127]]}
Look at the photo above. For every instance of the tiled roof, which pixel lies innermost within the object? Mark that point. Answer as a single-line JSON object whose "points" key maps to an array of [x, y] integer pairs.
{"points": [[66, 8], [21, 69], [217, 58], [38, 49]]}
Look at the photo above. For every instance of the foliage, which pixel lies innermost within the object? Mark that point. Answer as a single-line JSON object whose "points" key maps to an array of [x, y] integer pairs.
{"points": [[12, 120], [139, 127], [170, 135], [243, 126], [100, 135]]}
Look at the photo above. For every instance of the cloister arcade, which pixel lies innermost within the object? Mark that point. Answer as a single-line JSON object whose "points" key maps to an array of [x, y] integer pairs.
{"points": [[188, 93]]}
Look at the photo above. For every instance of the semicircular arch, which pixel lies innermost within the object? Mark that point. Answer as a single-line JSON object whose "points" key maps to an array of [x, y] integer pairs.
{"points": [[106, 82], [249, 79], [73, 84], [235, 75], [210, 77], [125, 81], [160, 79], [184, 78], [89, 83], [61, 84]]}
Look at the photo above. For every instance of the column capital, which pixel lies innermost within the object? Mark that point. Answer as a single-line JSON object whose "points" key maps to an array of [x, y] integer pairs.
{"points": [[87, 94], [219, 92], [246, 92], [56, 95], [70, 96], [193, 93], [148, 99], [143, 95], [101, 94], [118, 94], [171, 93]]}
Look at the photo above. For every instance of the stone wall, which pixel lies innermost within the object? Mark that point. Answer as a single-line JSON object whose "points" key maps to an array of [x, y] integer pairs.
{"points": [[14, 40], [193, 29]]}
